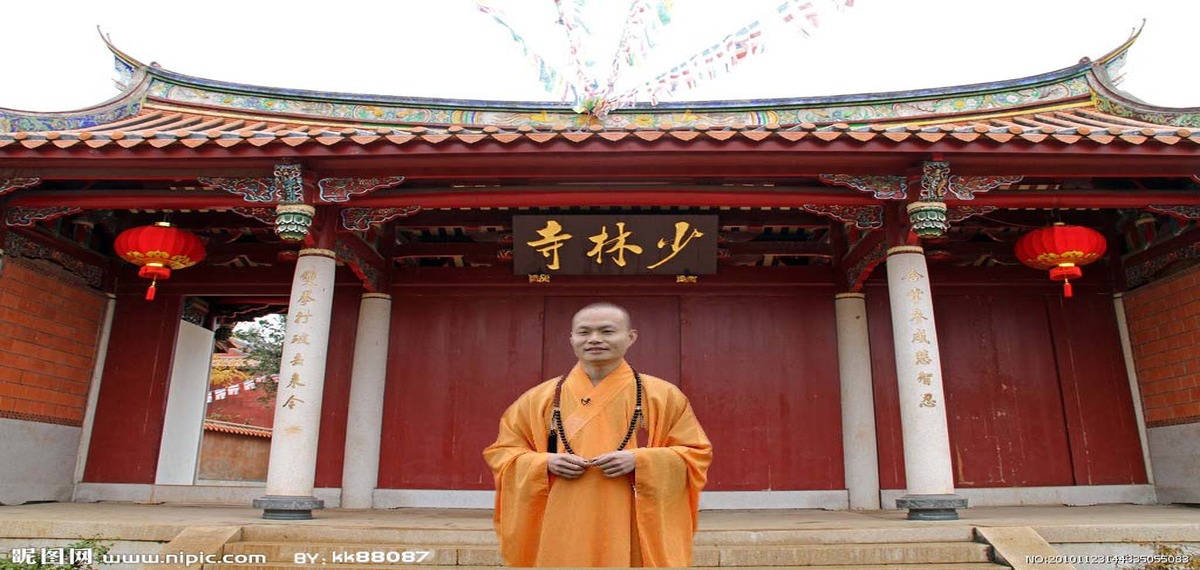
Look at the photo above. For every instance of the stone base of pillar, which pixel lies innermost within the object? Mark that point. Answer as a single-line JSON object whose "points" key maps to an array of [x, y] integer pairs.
{"points": [[283, 508], [932, 507]]}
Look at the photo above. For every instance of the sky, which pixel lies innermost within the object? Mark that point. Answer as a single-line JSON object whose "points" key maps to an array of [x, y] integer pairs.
{"points": [[54, 59]]}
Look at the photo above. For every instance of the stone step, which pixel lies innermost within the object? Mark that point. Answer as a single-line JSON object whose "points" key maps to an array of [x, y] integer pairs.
{"points": [[855, 554], [487, 537], [334, 554], [368, 536], [789, 537]]}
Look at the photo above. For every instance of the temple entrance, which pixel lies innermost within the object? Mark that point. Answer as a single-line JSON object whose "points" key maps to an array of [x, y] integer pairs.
{"points": [[235, 445], [760, 370]]}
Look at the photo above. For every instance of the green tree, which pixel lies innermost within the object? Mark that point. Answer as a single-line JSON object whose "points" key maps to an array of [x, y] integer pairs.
{"points": [[262, 342]]}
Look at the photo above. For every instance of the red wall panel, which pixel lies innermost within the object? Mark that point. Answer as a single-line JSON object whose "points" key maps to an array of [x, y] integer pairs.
{"points": [[1105, 446], [133, 396], [1002, 396], [456, 363], [761, 373], [335, 399], [1035, 386], [889, 439]]}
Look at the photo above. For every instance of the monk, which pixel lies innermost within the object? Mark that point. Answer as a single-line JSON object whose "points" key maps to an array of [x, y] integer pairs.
{"points": [[576, 488]]}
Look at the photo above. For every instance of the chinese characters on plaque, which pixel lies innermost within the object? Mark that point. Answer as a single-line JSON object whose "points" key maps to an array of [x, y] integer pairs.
{"points": [[920, 336], [615, 245]]}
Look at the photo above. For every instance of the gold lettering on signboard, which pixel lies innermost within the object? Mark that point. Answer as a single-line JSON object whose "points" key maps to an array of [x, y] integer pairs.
{"points": [[678, 243], [618, 245], [552, 239]]}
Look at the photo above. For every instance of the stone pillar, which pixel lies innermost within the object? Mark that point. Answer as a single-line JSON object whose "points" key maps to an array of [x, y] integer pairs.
{"points": [[360, 471], [859, 447], [927, 469], [292, 469]]}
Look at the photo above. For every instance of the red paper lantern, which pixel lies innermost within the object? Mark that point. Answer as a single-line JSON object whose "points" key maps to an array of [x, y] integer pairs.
{"points": [[158, 249], [1062, 249]]}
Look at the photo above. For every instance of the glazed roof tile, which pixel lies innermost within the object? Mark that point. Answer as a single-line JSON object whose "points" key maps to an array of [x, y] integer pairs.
{"points": [[1078, 105], [236, 429], [152, 127]]}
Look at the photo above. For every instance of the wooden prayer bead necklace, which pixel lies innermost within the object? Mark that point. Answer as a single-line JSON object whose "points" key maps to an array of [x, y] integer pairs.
{"points": [[633, 422]]}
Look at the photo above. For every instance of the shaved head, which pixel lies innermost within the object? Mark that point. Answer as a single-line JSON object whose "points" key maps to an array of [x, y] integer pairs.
{"points": [[606, 305]]}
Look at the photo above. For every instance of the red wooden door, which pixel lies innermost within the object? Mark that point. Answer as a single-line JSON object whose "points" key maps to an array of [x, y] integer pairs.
{"points": [[455, 363], [1003, 404], [761, 373]]}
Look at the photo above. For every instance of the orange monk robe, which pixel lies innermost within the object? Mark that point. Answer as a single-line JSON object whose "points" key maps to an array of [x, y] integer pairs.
{"points": [[647, 518]]}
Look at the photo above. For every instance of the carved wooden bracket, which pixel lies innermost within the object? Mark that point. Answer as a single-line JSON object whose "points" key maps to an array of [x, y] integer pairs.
{"points": [[342, 189], [361, 219], [864, 217], [882, 187]]}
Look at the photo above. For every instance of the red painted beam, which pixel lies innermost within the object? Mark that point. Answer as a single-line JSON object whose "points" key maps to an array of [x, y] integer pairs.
{"points": [[1081, 199], [516, 198], [126, 201], [544, 198]]}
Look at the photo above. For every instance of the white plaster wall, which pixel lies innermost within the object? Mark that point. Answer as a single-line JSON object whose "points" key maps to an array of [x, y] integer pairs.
{"points": [[39, 461], [1175, 454]]}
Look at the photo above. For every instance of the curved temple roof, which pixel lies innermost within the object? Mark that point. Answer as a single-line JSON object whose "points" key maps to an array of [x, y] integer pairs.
{"points": [[161, 108]]}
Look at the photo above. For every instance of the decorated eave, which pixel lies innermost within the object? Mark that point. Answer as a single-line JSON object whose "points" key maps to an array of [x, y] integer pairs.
{"points": [[160, 109], [232, 161]]}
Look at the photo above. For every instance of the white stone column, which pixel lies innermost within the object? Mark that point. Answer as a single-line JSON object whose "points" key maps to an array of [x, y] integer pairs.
{"points": [[360, 470], [927, 468], [1134, 389], [859, 448], [293, 465]]}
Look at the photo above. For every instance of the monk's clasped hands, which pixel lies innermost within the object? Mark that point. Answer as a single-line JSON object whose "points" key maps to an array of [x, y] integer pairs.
{"points": [[570, 466]]}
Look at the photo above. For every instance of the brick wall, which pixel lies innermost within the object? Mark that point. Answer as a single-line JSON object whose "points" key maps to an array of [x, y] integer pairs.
{"points": [[48, 332], [1164, 328]]}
